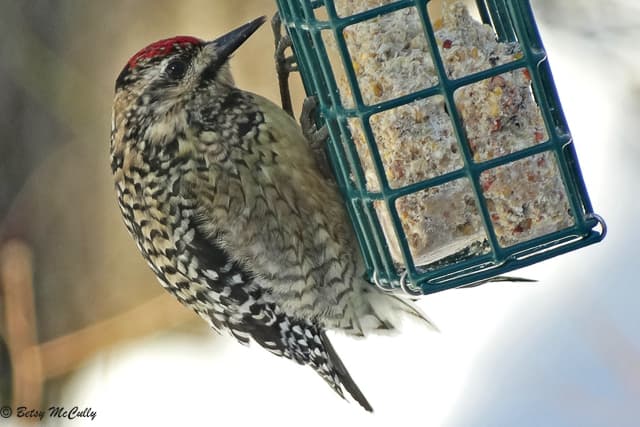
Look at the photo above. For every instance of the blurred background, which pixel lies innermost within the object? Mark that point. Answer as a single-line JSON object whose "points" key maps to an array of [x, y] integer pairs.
{"points": [[84, 323]]}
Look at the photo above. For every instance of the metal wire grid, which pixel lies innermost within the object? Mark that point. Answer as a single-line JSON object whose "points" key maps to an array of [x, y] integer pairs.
{"points": [[512, 21]]}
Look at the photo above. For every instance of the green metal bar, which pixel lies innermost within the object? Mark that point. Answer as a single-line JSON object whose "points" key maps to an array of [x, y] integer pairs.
{"points": [[476, 169], [369, 110], [457, 281], [523, 17], [389, 272], [463, 144], [371, 13], [555, 110], [500, 20], [363, 214], [485, 17]]}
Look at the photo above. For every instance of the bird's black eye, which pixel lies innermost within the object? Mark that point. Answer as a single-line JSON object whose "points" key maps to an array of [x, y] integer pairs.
{"points": [[176, 69]]}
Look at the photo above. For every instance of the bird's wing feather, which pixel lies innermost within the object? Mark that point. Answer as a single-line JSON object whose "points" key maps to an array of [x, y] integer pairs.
{"points": [[292, 230]]}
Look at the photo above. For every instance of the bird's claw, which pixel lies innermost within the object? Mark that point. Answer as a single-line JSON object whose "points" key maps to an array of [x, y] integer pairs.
{"points": [[317, 137], [285, 65]]}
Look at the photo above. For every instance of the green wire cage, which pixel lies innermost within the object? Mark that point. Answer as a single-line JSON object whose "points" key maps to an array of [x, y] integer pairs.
{"points": [[515, 201]]}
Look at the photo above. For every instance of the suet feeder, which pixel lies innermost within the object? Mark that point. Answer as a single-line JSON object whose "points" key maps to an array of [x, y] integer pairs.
{"points": [[447, 137]]}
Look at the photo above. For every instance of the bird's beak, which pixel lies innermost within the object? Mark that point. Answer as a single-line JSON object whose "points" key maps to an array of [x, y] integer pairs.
{"points": [[227, 44]]}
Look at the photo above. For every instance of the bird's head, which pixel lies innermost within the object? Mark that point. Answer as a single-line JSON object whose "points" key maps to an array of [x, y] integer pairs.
{"points": [[169, 67], [158, 82]]}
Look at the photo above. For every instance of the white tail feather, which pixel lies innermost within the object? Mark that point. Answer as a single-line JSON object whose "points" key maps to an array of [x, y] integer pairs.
{"points": [[386, 312]]}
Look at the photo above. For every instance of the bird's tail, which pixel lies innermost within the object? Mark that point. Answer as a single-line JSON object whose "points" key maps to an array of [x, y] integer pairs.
{"points": [[306, 343], [384, 312], [340, 376]]}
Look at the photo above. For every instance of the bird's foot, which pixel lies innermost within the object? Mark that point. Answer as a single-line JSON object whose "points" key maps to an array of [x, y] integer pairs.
{"points": [[285, 65], [317, 137]]}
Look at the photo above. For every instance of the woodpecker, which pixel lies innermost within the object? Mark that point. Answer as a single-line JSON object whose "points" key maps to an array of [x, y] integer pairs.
{"points": [[221, 193]]}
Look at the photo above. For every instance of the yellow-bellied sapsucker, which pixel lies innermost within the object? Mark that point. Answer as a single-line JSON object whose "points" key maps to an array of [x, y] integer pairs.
{"points": [[221, 193]]}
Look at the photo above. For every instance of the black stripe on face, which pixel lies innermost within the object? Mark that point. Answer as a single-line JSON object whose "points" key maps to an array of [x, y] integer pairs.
{"points": [[122, 77]]}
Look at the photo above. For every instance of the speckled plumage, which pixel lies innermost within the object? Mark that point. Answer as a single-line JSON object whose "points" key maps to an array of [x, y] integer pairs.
{"points": [[221, 193]]}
